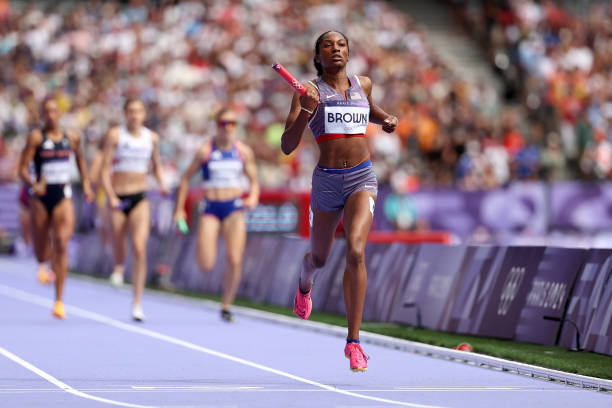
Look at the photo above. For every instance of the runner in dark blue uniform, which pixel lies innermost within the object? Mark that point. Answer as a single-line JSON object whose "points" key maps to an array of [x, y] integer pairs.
{"points": [[51, 205]]}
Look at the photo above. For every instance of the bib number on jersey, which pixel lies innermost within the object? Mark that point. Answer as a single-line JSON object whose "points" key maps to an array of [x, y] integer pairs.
{"points": [[56, 172], [349, 120]]}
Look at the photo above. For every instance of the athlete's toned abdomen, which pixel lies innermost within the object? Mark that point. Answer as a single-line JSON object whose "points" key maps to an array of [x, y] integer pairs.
{"points": [[125, 183], [345, 152]]}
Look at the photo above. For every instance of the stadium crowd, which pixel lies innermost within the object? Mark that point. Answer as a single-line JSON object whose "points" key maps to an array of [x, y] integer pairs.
{"points": [[557, 65], [186, 58]]}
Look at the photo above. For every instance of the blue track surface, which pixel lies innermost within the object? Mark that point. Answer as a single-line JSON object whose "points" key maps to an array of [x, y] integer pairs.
{"points": [[185, 356]]}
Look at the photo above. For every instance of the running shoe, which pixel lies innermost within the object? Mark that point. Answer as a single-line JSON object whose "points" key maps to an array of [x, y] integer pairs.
{"points": [[58, 310], [41, 275], [45, 275], [116, 279], [137, 313], [302, 304], [227, 316], [358, 359]]}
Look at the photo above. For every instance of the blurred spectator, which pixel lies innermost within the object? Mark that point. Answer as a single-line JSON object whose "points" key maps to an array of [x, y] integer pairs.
{"points": [[558, 66], [185, 58], [597, 157], [553, 159]]}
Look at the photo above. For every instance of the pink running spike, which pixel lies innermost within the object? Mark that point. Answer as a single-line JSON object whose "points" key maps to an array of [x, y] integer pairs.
{"points": [[302, 304], [358, 359]]}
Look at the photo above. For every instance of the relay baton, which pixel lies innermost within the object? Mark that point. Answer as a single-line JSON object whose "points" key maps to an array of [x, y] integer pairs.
{"points": [[282, 71], [182, 226]]}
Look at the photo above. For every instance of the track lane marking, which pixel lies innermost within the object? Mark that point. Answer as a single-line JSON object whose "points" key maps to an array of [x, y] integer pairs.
{"points": [[62, 385], [257, 389], [15, 293]]}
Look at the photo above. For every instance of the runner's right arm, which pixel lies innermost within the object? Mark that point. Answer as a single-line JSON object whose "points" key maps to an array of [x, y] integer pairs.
{"points": [[95, 167], [27, 155], [298, 118], [181, 193], [110, 144], [75, 140]]}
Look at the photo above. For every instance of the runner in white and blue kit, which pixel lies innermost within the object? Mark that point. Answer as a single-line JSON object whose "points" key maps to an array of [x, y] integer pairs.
{"points": [[222, 162], [337, 108]]}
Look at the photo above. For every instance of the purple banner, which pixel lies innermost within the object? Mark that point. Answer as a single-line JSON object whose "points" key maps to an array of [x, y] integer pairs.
{"points": [[9, 207], [527, 209], [88, 255], [549, 294], [468, 303], [331, 298], [599, 332], [581, 206], [187, 275], [509, 291], [519, 207], [286, 266], [488, 291], [433, 278], [590, 303], [388, 266], [259, 266]]}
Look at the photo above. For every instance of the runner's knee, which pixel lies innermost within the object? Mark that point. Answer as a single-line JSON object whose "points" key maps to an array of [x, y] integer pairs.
{"points": [[139, 251], [355, 253], [234, 261], [60, 245], [318, 261], [205, 264]]}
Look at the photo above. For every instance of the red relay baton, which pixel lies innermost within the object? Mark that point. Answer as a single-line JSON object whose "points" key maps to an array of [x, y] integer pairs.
{"points": [[295, 84]]}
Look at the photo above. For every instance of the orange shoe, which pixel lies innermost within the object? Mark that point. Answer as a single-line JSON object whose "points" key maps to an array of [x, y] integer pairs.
{"points": [[58, 310], [45, 275]]}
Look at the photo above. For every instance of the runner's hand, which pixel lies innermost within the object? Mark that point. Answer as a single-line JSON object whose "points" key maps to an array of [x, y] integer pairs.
{"points": [[310, 100], [179, 214], [40, 188], [114, 202], [250, 202], [89, 194], [390, 124]]}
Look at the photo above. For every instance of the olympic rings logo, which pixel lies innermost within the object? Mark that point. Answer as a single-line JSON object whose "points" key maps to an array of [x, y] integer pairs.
{"points": [[510, 289]]}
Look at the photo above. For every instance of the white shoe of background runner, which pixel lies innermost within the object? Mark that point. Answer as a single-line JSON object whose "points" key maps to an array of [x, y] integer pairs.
{"points": [[116, 279], [137, 313]]}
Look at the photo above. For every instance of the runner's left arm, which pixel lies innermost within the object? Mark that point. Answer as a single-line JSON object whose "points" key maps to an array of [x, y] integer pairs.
{"points": [[75, 142], [377, 114], [250, 170], [183, 188], [157, 168], [27, 155]]}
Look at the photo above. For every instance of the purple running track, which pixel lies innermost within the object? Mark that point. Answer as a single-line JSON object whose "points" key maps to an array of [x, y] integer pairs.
{"points": [[185, 356]]}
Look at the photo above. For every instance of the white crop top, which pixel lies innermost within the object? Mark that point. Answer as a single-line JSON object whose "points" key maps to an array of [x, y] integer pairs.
{"points": [[133, 154]]}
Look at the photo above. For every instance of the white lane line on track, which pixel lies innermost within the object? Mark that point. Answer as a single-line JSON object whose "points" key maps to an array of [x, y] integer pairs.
{"points": [[194, 387], [260, 389], [62, 385], [42, 301]]}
